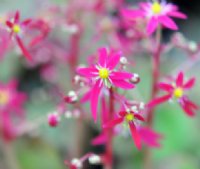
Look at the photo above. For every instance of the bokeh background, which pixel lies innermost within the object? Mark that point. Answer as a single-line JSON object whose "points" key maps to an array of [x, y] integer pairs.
{"points": [[46, 148]]}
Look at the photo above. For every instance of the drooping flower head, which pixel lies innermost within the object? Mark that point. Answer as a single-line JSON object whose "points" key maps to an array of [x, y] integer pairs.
{"points": [[103, 74], [16, 28], [157, 13], [177, 91], [130, 118]]}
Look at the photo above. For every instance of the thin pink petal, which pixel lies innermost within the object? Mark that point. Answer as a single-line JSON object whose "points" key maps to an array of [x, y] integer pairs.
{"points": [[166, 87], [189, 84], [26, 22], [9, 24], [188, 110], [94, 99], [23, 49], [122, 84], [152, 25], [113, 123], [177, 14], [139, 117], [135, 135], [103, 55], [113, 60], [87, 72], [159, 100], [99, 140], [17, 16], [179, 79], [168, 22], [121, 75], [86, 97]]}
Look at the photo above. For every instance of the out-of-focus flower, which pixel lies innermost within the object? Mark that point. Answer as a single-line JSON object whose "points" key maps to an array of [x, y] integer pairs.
{"points": [[177, 91], [53, 119], [11, 106], [157, 13], [103, 74], [16, 28], [129, 117]]}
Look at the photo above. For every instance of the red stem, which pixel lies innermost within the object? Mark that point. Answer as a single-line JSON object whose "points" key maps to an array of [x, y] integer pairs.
{"points": [[109, 146]]}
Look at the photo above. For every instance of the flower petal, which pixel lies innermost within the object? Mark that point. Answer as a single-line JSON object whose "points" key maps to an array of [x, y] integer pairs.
{"points": [[131, 14], [166, 87], [135, 135], [99, 140], [86, 97], [122, 84], [139, 117], [189, 84], [177, 14], [113, 60], [113, 123], [121, 75], [17, 16], [87, 72], [179, 80], [103, 55], [159, 100], [152, 25], [168, 22], [188, 110], [94, 99]]}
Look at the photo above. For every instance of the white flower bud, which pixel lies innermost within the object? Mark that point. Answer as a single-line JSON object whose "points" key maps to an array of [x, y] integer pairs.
{"points": [[94, 159]]}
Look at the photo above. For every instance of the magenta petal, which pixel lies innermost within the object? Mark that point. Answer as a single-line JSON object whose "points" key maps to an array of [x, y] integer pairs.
{"points": [[135, 135], [122, 84], [17, 16], [99, 140], [152, 25], [102, 56], [159, 100], [86, 97], [131, 14], [179, 79], [94, 99], [177, 14], [113, 60], [166, 87], [168, 22], [139, 117], [113, 123], [87, 72], [9, 24], [189, 84], [26, 22], [188, 110], [23, 49], [121, 75]]}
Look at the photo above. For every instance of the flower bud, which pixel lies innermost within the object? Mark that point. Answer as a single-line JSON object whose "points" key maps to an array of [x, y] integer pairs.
{"points": [[94, 159], [53, 119], [77, 163], [123, 60], [135, 79], [71, 97]]}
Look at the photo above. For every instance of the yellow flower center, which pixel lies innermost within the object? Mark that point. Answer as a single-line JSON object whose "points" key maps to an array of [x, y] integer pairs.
{"points": [[178, 92], [4, 97], [103, 73], [129, 117], [156, 8], [16, 28]]}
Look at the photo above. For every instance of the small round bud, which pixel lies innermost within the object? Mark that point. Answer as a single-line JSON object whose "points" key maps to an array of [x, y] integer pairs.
{"points": [[193, 46], [77, 163], [135, 79], [68, 114], [94, 159], [53, 119], [71, 97], [123, 60]]}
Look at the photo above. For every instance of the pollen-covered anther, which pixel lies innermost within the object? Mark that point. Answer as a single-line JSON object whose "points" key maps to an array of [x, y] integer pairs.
{"points": [[4, 97], [156, 8], [16, 28], [129, 117], [103, 73], [178, 92]]}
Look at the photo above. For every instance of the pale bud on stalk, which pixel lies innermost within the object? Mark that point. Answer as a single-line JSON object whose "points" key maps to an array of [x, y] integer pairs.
{"points": [[94, 159], [71, 97], [135, 79], [77, 163]]}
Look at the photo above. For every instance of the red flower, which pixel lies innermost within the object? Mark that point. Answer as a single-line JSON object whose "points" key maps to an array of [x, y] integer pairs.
{"points": [[130, 118], [177, 92], [16, 29]]}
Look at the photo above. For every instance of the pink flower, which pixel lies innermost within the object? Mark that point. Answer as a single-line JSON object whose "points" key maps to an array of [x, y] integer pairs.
{"points": [[53, 119], [104, 74], [177, 91], [157, 13], [11, 108], [130, 118], [16, 29]]}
